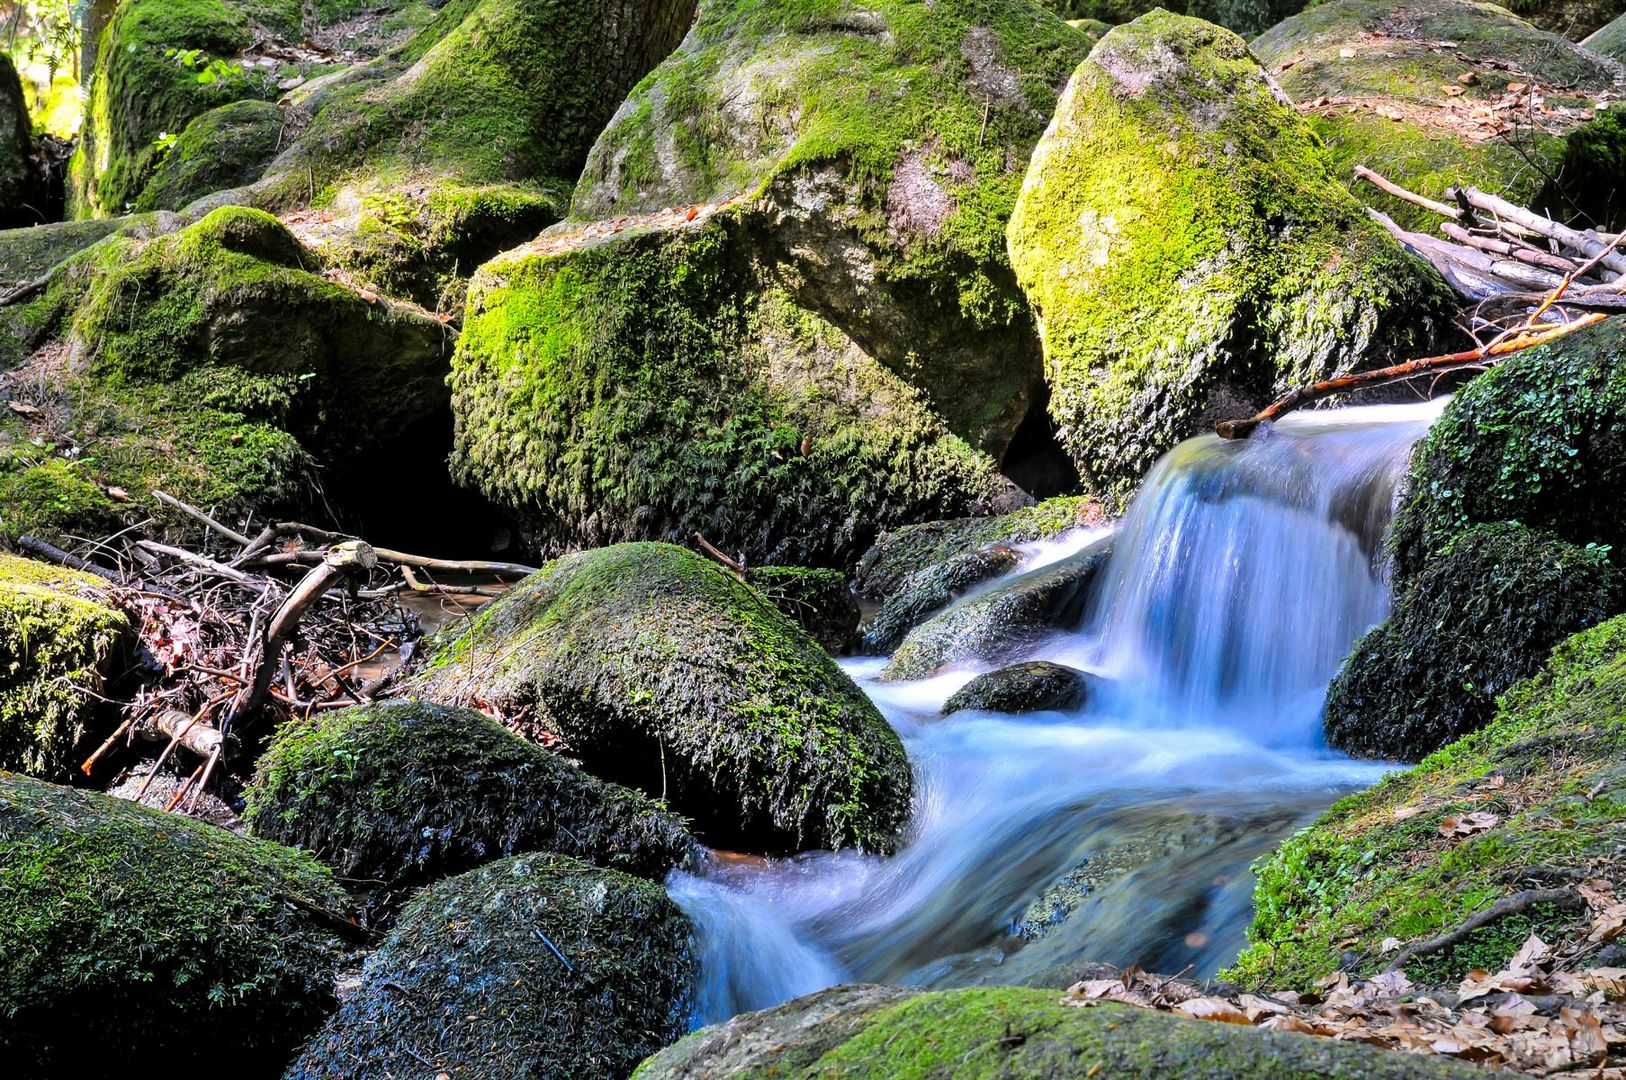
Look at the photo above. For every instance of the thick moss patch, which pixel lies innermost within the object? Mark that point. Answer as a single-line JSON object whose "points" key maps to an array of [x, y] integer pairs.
{"points": [[1549, 768], [1477, 619], [227, 146], [128, 935], [538, 965], [61, 636], [1539, 439], [406, 792], [663, 671], [1189, 253], [818, 601]]}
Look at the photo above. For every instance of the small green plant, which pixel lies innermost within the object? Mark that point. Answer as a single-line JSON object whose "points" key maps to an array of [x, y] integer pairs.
{"points": [[208, 70]]}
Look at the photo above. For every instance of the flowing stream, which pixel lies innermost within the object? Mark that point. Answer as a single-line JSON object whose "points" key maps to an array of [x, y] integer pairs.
{"points": [[1121, 832]]}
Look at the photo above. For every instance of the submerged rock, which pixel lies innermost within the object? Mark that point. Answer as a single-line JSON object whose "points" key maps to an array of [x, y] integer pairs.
{"points": [[819, 601], [661, 670], [995, 625], [406, 792], [1034, 686], [1539, 439], [873, 1031], [61, 636], [1386, 95], [538, 965], [1189, 253], [128, 935], [1478, 618], [1547, 773]]}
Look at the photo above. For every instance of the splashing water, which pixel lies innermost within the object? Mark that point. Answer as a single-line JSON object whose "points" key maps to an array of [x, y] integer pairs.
{"points": [[1119, 833]]}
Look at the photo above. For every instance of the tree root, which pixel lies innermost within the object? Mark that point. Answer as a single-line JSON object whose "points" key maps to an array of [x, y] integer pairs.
{"points": [[1510, 905]]}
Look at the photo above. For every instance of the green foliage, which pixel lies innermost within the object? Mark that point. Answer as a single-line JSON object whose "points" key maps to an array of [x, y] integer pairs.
{"points": [[1477, 619], [130, 935], [1375, 865], [1170, 263], [663, 671], [406, 793], [538, 965], [1539, 439]]}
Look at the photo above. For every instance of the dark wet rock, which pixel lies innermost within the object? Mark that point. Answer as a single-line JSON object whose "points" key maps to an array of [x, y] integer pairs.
{"points": [[820, 601], [1230, 266], [996, 624], [131, 936], [406, 792], [17, 177], [1474, 621], [1034, 686], [929, 590], [663, 671], [538, 965]]}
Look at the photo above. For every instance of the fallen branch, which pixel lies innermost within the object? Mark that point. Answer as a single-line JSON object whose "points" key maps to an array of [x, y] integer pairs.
{"points": [[1589, 245], [1516, 904], [711, 549], [199, 516]]}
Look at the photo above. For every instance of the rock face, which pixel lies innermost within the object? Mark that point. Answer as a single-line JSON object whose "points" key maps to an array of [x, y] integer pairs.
{"points": [[931, 589], [1246, 17], [994, 625], [1610, 40], [1189, 253], [538, 965], [1477, 619], [16, 144], [1035, 686], [1400, 104], [1539, 439], [61, 636], [226, 147], [210, 362], [819, 601], [130, 935], [662, 671], [1553, 754], [406, 792], [860, 1032], [833, 271]]}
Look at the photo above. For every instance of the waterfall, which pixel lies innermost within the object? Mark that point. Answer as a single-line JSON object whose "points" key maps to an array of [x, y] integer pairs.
{"points": [[1121, 832]]}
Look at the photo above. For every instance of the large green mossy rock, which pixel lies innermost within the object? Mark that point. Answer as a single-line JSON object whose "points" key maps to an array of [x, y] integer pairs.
{"points": [[27, 253], [1610, 40], [622, 386], [128, 935], [62, 636], [16, 144], [214, 362], [226, 147], [861, 1032], [1246, 17], [1551, 772], [539, 965], [1189, 253], [661, 670], [1479, 617], [1345, 60], [406, 792], [1539, 439], [1574, 19]]}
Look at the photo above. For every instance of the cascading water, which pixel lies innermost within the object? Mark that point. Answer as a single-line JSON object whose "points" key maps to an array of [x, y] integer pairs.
{"points": [[1122, 832]]}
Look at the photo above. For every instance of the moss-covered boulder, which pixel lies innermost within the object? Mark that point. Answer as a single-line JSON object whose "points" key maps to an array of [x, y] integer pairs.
{"points": [[929, 590], [1547, 773], [228, 146], [214, 362], [128, 935], [859, 1032], [1246, 17], [538, 965], [819, 601], [27, 253], [1189, 253], [663, 671], [406, 792], [1610, 40], [991, 626], [1381, 91], [1034, 686], [62, 636], [1573, 19], [1477, 619], [16, 145], [1539, 439]]}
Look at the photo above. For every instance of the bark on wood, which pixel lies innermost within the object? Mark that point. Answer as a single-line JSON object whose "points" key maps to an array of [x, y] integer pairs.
{"points": [[1512, 905]]}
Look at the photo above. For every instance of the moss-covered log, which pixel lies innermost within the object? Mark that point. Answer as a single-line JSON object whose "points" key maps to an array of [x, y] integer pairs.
{"points": [[1188, 251], [131, 937], [538, 965], [406, 792], [663, 671]]}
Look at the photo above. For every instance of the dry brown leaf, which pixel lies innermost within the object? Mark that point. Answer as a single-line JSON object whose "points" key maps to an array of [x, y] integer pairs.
{"points": [[1401, 813], [1389, 944], [23, 408], [1456, 825], [1212, 1008], [117, 494]]}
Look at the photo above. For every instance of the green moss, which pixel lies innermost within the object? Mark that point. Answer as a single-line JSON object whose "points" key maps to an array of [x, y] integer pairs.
{"points": [[1588, 188], [1477, 619], [225, 147], [1610, 41], [130, 935], [61, 635], [404, 793], [25, 254], [1217, 257], [47, 496], [663, 671], [1539, 439], [1375, 865], [819, 601], [538, 965]]}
